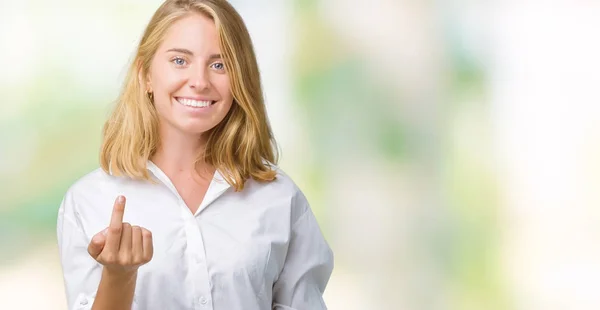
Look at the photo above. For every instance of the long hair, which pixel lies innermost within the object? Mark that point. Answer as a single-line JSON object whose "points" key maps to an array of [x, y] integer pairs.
{"points": [[241, 146]]}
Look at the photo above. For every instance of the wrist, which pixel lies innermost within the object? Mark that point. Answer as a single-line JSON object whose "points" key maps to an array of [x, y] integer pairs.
{"points": [[119, 275]]}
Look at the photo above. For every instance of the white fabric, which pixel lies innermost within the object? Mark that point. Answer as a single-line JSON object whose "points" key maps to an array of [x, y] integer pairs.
{"points": [[256, 249]]}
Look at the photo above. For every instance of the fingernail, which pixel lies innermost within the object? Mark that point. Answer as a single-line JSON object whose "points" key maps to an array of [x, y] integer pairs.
{"points": [[120, 199], [105, 231]]}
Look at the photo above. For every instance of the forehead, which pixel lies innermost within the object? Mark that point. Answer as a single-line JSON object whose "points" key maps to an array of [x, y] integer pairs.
{"points": [[195, 32]]}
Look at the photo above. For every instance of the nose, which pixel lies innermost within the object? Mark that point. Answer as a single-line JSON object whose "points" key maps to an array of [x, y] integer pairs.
{"points": [[199, 79]]}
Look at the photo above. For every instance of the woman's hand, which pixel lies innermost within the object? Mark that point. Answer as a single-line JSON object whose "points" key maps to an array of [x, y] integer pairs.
{"points": [[121, 248]]}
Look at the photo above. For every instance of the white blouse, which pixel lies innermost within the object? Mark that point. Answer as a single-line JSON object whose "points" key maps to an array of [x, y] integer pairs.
{"points": [[260, 248]]}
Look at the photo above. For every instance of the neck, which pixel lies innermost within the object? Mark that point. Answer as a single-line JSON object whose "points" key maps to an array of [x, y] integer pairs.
{"points": [[177, 153]]}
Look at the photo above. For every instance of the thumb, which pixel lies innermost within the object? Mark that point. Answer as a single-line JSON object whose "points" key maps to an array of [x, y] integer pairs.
{"points": [[97, 244]]}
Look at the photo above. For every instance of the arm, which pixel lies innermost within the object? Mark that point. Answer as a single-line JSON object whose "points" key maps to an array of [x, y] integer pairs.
{"points": [[80, 271], [307, 268], [101, 274], [115, 291]]}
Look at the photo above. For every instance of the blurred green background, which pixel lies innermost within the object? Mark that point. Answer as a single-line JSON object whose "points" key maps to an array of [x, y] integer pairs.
{"points": [[449, 148]]}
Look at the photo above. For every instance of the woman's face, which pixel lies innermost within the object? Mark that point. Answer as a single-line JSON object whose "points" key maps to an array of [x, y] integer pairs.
{"points": [[190, 84]]}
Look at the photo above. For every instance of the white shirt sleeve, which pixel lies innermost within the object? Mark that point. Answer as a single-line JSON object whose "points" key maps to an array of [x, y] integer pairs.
{"points": [[81, 272], [307, 268]]}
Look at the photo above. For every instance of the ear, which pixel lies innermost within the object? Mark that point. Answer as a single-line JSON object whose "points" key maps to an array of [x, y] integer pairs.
{"points": [[145, 82]]}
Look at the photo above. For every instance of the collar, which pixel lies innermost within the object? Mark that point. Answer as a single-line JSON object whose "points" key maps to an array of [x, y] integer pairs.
{"points": [[217, 187]]}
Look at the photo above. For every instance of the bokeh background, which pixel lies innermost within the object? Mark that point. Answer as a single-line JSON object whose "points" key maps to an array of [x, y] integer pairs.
{"points": [[450, 149]]}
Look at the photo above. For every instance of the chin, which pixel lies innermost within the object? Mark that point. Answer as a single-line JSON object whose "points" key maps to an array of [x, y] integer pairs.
{"points": [[195, 130], [195, 127]]}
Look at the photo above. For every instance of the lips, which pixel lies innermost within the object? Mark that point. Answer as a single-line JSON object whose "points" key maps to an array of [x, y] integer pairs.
{"points": [[194, 103]]}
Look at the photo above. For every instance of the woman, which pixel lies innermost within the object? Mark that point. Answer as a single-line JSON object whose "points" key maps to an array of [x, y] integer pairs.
{"points": [[188, 155]]}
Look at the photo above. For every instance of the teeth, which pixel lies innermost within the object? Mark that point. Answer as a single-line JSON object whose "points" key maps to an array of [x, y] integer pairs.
{"points": [[194, 103]]}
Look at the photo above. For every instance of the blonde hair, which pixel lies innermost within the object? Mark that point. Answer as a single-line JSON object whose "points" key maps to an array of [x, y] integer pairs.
{"points": [[241, 146]]}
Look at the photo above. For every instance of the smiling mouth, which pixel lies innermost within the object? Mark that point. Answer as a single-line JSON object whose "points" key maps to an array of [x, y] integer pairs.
{"points": [[195, 103]]}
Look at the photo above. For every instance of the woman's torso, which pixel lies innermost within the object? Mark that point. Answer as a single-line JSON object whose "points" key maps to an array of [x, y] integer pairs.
{"points": [[225, 256]]}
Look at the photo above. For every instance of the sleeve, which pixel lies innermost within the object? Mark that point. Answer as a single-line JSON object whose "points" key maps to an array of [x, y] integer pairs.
{"points": [[307, 268], [81, 272]]}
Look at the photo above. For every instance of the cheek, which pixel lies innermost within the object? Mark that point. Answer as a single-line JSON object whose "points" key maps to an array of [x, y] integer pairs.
{"points": [[223, 86], [165, 81]]}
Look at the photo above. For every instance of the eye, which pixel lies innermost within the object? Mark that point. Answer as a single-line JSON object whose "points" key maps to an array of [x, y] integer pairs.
{"points": [[179, 61], [218, 65]]}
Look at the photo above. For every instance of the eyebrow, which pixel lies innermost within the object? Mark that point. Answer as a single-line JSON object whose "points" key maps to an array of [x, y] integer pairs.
{"points": [[190, 53]]}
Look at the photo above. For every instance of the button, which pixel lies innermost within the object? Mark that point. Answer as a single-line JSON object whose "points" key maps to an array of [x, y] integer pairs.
{"points": [[203, 300], [83, 302]]}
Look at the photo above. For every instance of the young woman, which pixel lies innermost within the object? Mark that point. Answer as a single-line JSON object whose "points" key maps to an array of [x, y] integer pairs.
{"points": [[188, 159]]}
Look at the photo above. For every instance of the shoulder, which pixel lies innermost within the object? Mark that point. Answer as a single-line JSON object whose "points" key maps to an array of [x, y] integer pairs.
{"points": [[90, 187], [78, 191], [282, 189], [281, 186], [90, 182]]}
